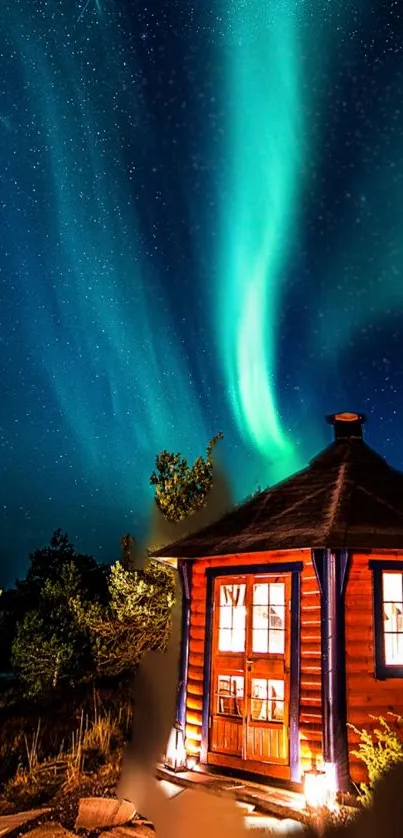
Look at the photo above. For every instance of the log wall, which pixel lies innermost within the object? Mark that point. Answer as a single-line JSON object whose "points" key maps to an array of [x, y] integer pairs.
{"points": [[366, 696], [310, 713]]}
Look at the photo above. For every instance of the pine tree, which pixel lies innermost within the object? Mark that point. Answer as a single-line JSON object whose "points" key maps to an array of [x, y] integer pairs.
{"points": [[181, 489]]}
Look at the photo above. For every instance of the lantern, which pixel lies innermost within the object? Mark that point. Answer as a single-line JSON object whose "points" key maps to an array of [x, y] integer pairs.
{"points": [[315, 788], [175, 757], [320, 787], [191, 762], [332, 786]]}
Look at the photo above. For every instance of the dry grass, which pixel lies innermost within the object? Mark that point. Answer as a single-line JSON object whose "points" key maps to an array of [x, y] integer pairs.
{"points": [[93, 749]]}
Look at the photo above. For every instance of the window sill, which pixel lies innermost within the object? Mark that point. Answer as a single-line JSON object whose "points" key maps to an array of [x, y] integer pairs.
{"points": [[384, 673]]}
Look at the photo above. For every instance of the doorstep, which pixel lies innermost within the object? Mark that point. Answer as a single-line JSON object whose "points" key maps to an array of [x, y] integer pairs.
{"points": [[268, 799]]}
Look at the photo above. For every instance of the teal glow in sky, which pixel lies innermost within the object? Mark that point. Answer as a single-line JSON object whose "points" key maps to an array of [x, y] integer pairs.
{"points": [[265, 142]]}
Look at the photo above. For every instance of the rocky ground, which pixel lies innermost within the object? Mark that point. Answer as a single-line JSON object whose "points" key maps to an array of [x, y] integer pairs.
{"points": [[92, 812], [72, 814]]}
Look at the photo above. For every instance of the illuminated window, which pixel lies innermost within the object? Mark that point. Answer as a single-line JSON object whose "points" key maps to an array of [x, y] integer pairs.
{"points": [[392, 591], [268, 630], [267, 700], [229, 696], [388, 618], [232, 618]]}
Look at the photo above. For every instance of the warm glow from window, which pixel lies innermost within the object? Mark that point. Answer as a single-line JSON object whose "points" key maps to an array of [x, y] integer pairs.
{"points": [[392, 596], [268, 632], [232, 619], [267, 700], [230, 694]]}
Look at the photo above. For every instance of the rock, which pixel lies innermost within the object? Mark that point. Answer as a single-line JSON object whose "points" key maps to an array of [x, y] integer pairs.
{"points": [[10, 822], [138, 830], [50, 830], [98, 812]]}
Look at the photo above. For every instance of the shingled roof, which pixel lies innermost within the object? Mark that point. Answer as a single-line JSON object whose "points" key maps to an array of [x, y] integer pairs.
{"points": [[347, 497]]}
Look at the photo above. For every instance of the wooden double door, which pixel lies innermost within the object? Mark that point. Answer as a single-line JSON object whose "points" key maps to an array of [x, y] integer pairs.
{"points": [[250, 674]]}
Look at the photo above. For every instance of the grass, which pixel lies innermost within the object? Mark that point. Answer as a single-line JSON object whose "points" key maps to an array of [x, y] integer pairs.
{"points": [[75, 743]]}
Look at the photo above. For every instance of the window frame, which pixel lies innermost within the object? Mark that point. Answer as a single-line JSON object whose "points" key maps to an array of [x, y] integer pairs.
{"points": [[383, 670]]}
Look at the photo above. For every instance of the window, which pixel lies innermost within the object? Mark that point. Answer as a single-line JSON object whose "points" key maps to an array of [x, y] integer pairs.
{"points": [[388, 618], [267, 700], [392, 591], [268, 631], [231, 635], [230, 695]]}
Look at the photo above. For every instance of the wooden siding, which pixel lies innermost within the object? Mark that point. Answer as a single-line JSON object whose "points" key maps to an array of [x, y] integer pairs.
{"points": [[310, 715], [366, 696]]}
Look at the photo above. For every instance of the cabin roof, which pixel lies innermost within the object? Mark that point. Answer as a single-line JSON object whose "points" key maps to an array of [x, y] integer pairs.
{"points": [[347, 497]]}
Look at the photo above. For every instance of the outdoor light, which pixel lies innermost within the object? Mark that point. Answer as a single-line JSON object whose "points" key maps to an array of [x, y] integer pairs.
{"points": [[175, 757], [320, 787], [315, 788], [331, 782], [191, 762]]}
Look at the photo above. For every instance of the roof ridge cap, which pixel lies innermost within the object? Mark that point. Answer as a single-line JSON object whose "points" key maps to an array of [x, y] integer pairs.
{"points": [[297, 503], [336, 497], [380, 500]]}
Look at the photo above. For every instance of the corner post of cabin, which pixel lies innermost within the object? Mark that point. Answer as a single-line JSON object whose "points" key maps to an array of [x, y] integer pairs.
{"points": [[185, 575], [331, 570]]}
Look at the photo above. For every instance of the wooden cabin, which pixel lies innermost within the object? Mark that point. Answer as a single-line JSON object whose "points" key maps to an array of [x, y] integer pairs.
{"points": [[293, 618]]}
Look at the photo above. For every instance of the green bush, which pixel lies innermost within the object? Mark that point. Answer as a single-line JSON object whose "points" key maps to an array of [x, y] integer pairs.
{"points": [[181, 489], [379, 749], [50, 648], [136, 619]]}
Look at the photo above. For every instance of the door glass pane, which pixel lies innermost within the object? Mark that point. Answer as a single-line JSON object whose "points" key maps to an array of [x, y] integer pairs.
{"points": [[261, 617], [232, 618], [276, 617], [225, 640], [268, 626], [230, 695], [225, 617], [277, 592], [276, 642], [276, 701], [260, 641], [258, 704], [261, 594], [267, 700]]}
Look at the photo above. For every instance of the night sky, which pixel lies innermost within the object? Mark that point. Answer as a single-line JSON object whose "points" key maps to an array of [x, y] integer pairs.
{"points": [[201, 230]]}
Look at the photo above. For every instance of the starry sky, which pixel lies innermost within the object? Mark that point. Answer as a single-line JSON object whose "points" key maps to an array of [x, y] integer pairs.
{"points": [[201, 230]]}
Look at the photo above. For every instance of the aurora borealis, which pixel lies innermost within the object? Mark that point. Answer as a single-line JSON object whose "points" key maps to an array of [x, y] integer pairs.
{"points": [[201, 212]]}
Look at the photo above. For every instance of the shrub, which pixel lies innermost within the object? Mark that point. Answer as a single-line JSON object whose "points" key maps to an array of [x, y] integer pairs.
{"points": [[181, 489], [379, 749], [50, 647], [47, 645], [136, 619], [92, 745]]}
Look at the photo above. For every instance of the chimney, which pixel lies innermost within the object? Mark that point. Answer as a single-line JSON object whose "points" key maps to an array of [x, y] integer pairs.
{"points": [[347, 425]]}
